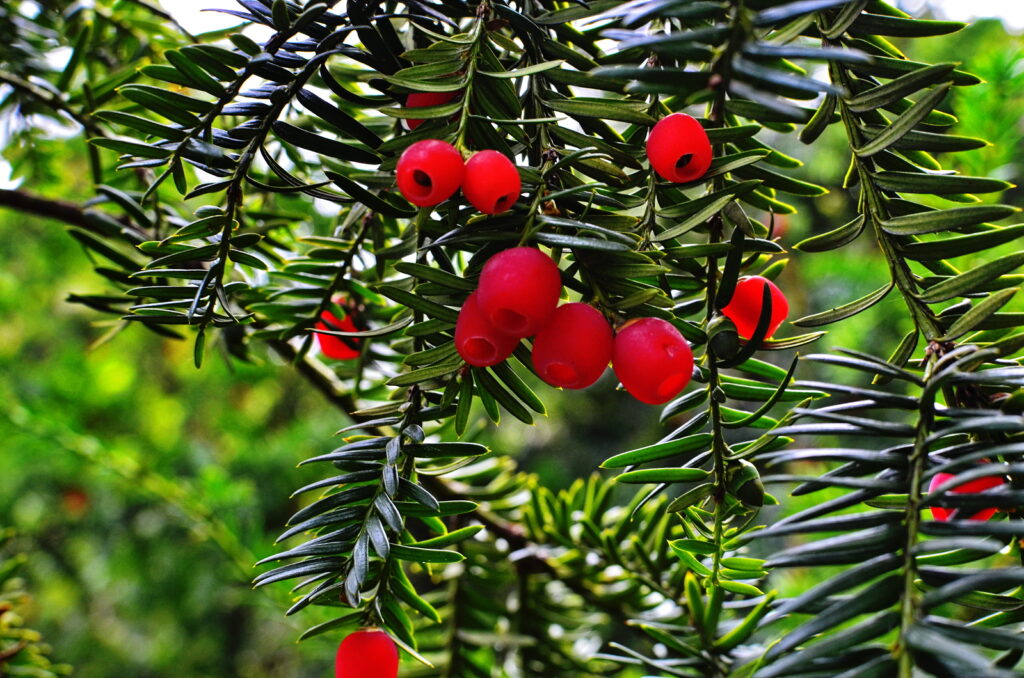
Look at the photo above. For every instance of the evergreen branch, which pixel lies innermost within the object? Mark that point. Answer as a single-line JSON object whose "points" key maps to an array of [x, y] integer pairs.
{"points": [[231, 93], [872, 204], [910, 599]]}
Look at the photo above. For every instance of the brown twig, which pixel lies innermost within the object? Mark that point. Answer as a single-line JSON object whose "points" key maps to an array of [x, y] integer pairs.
{"points": [[61, 210], [68, 212]]}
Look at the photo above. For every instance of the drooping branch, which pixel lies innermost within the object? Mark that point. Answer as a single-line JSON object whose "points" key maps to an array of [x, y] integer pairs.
{"points": [[48, 208]]}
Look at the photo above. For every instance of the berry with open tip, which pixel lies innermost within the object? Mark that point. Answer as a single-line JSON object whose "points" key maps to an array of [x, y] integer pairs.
{"points": [[367, 653], [679, 149], [744, 309], [519, 289], [652, 360], [975, 486], [425, 99], [429, 172], [477, 340], [574, 347], [491, 183], [335, 347]]}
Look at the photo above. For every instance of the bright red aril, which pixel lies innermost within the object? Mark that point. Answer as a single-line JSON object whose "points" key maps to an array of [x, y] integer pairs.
{"points": [[744, 309], [574, 347], [425, 99], [336, 347], [652, 360], [679, 149], [368, 653], [519, 289], [970, 487], [429, 172], [477, 341], [491, 183]]}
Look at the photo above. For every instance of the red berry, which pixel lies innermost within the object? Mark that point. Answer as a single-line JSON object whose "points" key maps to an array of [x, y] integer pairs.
{"points": [[429, 172], [519, 289], [971, 487], [744, 309], [678, 148], [574, 347], [367, 654], [424, 99], [332, 346], [491, 183], [652, 360], [477, 341], [75, 501]]}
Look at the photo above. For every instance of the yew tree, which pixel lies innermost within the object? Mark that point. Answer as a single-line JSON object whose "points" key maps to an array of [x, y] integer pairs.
{"points": [[246, 202]]}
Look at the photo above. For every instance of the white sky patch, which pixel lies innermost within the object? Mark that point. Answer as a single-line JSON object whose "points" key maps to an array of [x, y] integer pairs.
{"points": [[190, 14], [1010, 11]]}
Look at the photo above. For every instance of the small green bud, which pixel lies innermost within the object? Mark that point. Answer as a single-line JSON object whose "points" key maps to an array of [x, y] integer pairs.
{"points": [[722, 337], [1014, 403], [744, 483]]}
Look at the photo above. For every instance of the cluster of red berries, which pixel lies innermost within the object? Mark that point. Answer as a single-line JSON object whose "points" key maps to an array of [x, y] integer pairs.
{"points": [[430, 171], [679, 150], [575, 323], [367, 653], [519, 288], [517, 297]]}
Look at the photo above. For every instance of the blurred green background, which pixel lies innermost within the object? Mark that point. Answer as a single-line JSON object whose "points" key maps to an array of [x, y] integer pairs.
{"points": [[144, 489]]}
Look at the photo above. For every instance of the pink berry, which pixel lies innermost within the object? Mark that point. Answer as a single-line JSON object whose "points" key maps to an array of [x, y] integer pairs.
{"points": [[678, 148], [491, 183], [429, 172], [652, 360], [476, 340], [519, 289], [744, 309], [336, 347], [424, 99], [943, 514], [574, 348], [368, 653]]}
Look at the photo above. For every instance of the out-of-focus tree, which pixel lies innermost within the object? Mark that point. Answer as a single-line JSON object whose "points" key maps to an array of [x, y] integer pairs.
{"points": [[255, 184]]}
